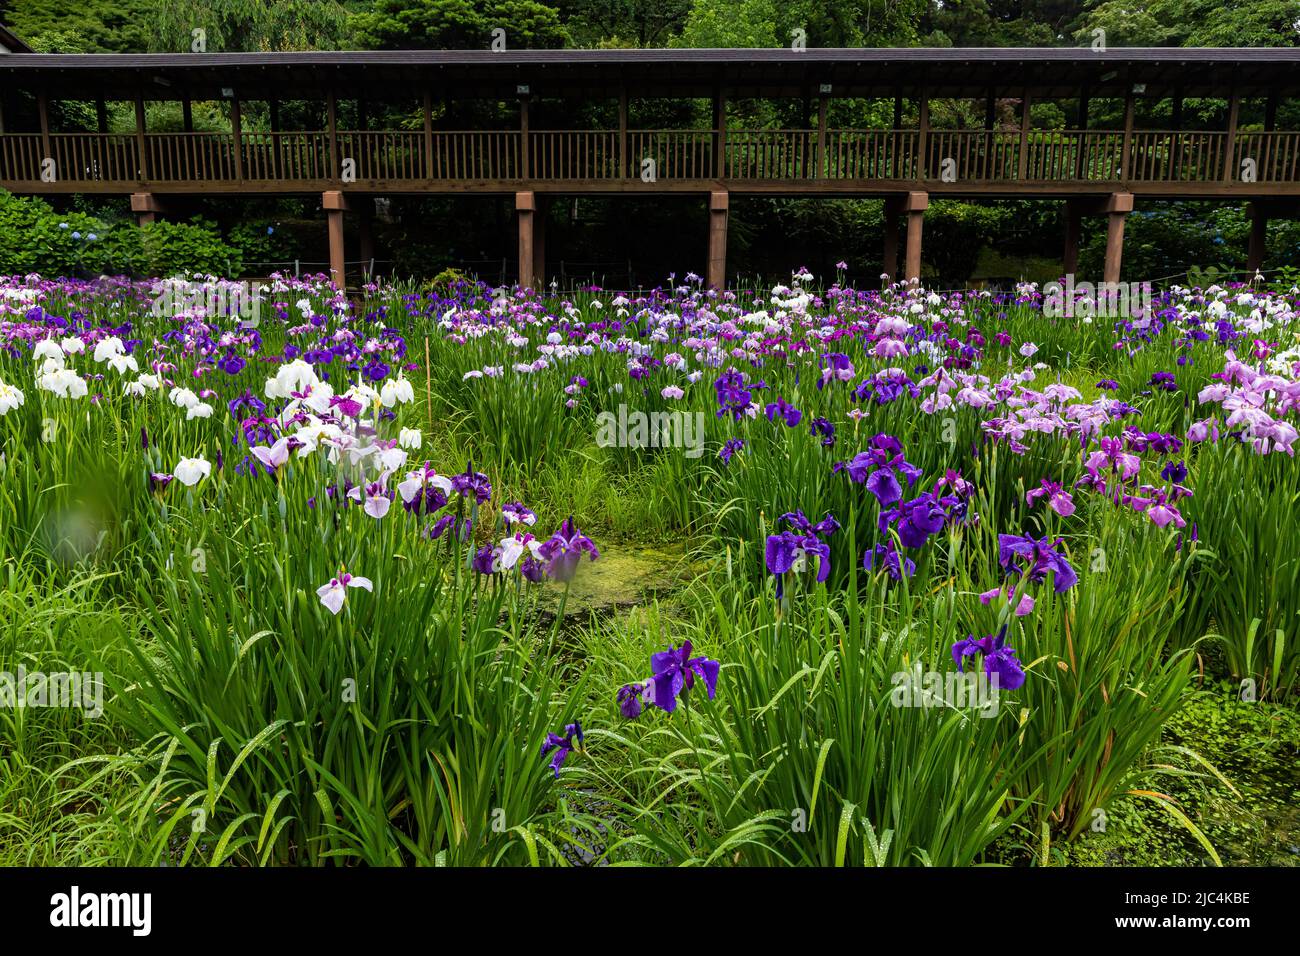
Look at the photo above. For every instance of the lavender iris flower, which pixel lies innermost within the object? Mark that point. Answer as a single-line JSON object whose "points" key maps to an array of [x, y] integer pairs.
{"points": [[564, 549], [730, 448]]}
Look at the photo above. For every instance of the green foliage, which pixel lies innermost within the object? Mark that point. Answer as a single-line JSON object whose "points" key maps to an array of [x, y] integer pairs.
{"points": [[34, 237], [457, 24]]}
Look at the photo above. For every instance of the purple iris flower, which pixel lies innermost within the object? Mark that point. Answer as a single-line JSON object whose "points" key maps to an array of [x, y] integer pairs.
{"points": [[999, 659], [1058, 499], [630, 698], [916, 520], [824, 428], [472, 483], [734, 395], [730, 448], [879, 468], [564, 549], [1175, 471], [888, 556], [1038, 557], [789, 550], [562, 745], [796, 519], [485, 560], [787, 411], [675, 670], [1109, 384]]}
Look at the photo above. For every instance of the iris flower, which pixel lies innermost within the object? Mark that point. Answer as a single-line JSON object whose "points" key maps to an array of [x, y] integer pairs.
{"points": [[674, 671], [999, 659], [562, 745], [564, 549], [1034, 558], [1058, 499], [333, 594], [788, 412]]}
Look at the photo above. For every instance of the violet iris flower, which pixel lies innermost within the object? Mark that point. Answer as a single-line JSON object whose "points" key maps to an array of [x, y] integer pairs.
{"points": [[1034, 558], [789, 550], [891, 559], [879, 467], [788, 412], [471, 483], [999, 659], [675, 671], [1058, 499], [562, 745], [564, 549], [730, 448], [734, 395]]}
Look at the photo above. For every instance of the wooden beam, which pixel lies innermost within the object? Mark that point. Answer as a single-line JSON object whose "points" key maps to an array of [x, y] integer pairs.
{"points": [[525, 205], [1270, 113], [1126, 151], [141, 151], [819, 160], [334, 204], [1230, 143], [524, 167], [43, 111], [1022, 165], [428, 135], [716, 274], [187, 115], [923, 137], [719, 133], [332, 125], [916, 204], [237, 133], [622, 132], [101, 114]]}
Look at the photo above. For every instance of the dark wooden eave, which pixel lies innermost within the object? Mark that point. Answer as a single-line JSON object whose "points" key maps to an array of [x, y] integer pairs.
{"points": [[405, 74]]}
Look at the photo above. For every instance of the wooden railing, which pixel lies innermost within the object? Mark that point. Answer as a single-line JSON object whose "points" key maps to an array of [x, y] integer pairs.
{"points": [[560, 154], [871, 154], [771, 154], [659, 154], [487, 157]]}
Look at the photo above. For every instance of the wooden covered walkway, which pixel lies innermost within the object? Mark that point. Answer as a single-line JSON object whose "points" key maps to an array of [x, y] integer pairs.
{"points": [[1093, 170]]}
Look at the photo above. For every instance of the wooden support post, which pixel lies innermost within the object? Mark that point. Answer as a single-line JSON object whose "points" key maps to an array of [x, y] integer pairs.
{"points": [[719, 133], [1022, 165], [332, 126], [187, 115], [525, 204], [1081, 157], [1270, 113], [916, 204], [819, 160], [716, 274], [237, 135], [1073, 222], [890, 259], [1117, 209], [146, 207], [1230, 144], [1126, 152], [622, 132], [141, 152], [990, 115], [524, 151], [428, 135], [1258, 231], [101, 114], [335, 204], [923, 137], [43, 110]]}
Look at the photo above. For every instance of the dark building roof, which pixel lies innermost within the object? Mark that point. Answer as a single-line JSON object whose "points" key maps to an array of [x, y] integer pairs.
{"points": [[402, 74], [9, 42]]}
